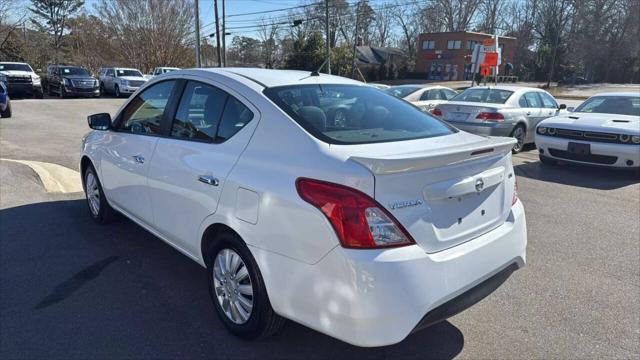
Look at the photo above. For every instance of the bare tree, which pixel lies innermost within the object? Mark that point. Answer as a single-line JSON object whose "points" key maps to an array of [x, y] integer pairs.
{"points": [[383, 25], [491, 14], [268, 34], [148, 33], [458, 14]]}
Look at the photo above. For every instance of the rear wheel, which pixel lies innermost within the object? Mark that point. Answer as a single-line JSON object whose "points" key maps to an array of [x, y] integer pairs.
{"points": [[520, 134], [7, 111], [238, 291], [99, 208]]}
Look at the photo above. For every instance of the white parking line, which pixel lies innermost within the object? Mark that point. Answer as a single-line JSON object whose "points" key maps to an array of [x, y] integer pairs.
{"points": [[55, 178]]}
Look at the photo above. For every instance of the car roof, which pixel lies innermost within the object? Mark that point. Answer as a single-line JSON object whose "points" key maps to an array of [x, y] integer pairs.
{"points": [[625, 94], [272, 78], [508, 87]]}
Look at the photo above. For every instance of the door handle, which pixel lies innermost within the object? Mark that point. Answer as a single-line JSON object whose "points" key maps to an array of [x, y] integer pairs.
{"points": [[138, 158], [209, 180], [529, 113]]}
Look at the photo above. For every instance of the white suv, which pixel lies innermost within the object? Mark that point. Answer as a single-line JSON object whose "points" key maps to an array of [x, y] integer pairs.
{"points": [[119, 81], [365, 228]]}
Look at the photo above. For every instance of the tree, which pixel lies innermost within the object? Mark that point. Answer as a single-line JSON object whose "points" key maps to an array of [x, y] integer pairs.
{"points": [[149, 33], [245, 50], [268, 33], [307, 53], [51, 16], [458, 14]]}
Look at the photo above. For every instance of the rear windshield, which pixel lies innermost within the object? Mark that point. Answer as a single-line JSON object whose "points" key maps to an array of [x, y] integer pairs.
{"points": [[401, 91], [125, 72], [621, 105], [352, 114], [492, 96], [18, 67]]}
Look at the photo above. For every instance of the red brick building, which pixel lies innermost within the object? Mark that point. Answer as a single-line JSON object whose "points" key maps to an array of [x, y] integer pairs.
{"points": [[442, 55]]}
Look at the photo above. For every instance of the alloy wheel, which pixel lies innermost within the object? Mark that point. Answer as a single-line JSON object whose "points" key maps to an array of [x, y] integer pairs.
{"points": [[93, 193], [519, 135], [232, 284]]}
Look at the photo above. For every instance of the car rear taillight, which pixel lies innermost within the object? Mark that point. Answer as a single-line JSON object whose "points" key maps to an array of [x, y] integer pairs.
{"points": [[436, 112], [358, 220], [514, 200], [490, 116]]}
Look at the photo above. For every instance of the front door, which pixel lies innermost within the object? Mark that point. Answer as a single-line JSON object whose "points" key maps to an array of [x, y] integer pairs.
{"points": [[125, 161], [209, 131]]}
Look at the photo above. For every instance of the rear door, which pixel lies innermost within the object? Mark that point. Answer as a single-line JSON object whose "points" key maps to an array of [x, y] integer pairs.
{"points": [[532, 111], [209, 130], [126, 158]]}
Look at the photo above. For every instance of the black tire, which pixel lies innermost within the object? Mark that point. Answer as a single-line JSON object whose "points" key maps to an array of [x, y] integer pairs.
{"points": [[49, 92], [102, 91], [61, 93], [105, 213], [116, 90], [7, 112], [38, 95], [520, 134], [262, 321], [547, 161]]}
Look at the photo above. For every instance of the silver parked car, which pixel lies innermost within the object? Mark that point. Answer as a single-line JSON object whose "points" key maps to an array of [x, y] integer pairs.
{"points": [[120, 81], [500, 111]]}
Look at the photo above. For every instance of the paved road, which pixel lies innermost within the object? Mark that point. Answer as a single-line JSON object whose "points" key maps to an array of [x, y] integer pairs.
{"points": [[70, 288]]}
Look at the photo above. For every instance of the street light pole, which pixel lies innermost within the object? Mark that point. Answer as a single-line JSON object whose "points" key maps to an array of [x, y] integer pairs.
{"points": [[224, 37], [198, 63]]}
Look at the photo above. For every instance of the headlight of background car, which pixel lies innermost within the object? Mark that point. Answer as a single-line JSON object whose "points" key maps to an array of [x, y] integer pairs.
{"points": [[635, 139], [542, 130], [35, 79], [625, 138]]}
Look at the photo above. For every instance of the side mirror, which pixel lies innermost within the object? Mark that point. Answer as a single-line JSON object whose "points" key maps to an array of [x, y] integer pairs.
{"points": [[562, 106], [570, 109], [101, 121]]}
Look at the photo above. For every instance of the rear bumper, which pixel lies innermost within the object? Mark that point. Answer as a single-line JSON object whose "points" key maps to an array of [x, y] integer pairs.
{"points": [[485, 128], [602, 154], [378, 297]]}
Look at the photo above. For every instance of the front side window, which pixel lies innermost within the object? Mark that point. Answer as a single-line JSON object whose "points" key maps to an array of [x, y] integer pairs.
{"points": [[548, 101], [143, 115], [199, 112], [621, 105], [484, 95], [448, 94], [533, 101], [402, 91], [352, 114]]}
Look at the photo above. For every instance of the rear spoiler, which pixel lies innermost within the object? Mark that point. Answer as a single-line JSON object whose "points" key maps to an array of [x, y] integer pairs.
{"points": [[493, 146]]}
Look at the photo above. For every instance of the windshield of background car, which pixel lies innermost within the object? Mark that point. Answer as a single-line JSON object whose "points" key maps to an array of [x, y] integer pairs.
{"points": [[74, 71], [18, 67], [164, 71], [401, 91], [492, 96], [621, 105], [121, 72], [352, 114]]}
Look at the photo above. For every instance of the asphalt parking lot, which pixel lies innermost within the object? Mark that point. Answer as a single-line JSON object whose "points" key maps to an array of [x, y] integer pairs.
{"points": [[70, 288]]}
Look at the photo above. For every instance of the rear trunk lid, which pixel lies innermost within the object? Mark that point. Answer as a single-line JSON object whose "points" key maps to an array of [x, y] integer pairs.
{"points": [[466, 111], [444, 191]]}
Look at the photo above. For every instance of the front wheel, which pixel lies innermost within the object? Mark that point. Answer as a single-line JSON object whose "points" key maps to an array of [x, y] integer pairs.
{"points": [[62, 94], [99, 208], [7, 111], [117, 91], [520, 134], [238, 291]]}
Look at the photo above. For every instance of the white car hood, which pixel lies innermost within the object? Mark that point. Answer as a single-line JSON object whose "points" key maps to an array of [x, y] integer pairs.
{"points": [[16, 73], [132, 78], [595, 122]]}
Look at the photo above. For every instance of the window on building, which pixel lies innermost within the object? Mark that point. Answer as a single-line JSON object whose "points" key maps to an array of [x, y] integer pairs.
{"points": [[428, 45], [471, 44], [454, 44]]}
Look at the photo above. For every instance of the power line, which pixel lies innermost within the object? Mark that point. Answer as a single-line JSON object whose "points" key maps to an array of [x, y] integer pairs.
{"points": [[272, 11]]}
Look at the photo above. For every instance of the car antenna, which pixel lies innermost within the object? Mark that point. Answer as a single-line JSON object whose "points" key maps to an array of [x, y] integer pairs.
{"points": [[317, 72]]}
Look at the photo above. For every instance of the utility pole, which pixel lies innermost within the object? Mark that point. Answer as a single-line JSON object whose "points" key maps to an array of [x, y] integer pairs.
{"points": [[355, 42], [198, 63], [215, 5], [326, 28], [224, 36]]}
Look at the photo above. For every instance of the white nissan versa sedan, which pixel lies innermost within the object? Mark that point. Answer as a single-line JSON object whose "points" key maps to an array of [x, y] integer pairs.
{"points": [[365, 229]]}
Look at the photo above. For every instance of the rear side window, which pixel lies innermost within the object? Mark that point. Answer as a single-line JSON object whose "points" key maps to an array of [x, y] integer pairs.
{"points": [[235, 117], [143, 115], [199, 112], [493, 96], [352, 114]]}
